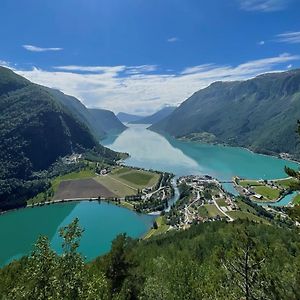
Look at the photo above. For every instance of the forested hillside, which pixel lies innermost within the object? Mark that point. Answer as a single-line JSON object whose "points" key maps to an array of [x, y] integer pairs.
{"points": [[79, 111], [106, 119], [35, 130], [260, 114], [213, 260]]}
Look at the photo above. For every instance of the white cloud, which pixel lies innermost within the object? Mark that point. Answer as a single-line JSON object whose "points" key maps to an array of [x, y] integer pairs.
{"points": [[289, 37], [263, 5], [113, 88], [261, 43], [141, 69], [4, 63], [39, 49], [289, 66], [173, 39]]}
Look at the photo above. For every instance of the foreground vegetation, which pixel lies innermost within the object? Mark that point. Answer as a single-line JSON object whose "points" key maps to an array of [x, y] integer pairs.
{"points": [[219, 260]]}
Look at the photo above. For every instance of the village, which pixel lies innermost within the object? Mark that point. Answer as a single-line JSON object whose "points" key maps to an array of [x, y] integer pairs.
{"points": [[203, 199], [264, 190]]}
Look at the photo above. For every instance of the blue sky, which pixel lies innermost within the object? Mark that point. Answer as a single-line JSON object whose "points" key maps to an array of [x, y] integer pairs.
{"points": [[138, 55]]}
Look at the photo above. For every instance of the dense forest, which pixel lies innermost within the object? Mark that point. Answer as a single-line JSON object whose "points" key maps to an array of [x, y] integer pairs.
{"points": [[36, 130], [213, 260], [258, 113]]}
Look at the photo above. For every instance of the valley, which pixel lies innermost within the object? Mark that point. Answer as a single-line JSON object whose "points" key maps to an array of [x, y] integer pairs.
{"points": [[174, 157]]}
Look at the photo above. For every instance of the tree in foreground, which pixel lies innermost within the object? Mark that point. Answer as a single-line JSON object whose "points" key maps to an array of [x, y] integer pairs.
{"points": [[50, 276]]}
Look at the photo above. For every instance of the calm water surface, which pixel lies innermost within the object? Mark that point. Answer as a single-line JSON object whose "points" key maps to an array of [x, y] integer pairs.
{"points": [[152, 150], [20, 229]]}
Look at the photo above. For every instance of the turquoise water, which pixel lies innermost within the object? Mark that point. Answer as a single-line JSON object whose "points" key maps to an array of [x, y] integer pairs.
{"points": [[283, 202], [152, 150], [101, 222]]}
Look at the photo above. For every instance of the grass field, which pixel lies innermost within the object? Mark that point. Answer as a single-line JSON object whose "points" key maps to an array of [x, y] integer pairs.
{"points": [[296, 200], [162, 228], [286, 183], [213, 210], [117, 187], [267, 192], [74, 175], [88, 173], [245, 207], [137, 179], [246, 215], [121, 182], [203, 212], [221, 202], [245, 183], [124, 181]]}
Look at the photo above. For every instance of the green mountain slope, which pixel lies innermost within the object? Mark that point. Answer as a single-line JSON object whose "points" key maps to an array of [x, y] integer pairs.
{"points": [[260, 113], [80, 112], [156, 117], [106, 119], [35, 130]]}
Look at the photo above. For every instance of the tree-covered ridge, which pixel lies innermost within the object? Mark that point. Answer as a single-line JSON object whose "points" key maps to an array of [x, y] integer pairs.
{"points": [[35, 130], [259, 113], [106, 119], [218, 260]]}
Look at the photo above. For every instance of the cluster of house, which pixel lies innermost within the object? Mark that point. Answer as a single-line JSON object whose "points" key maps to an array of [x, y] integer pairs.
{"points": [[72, 159], [206, 190], [102, 171], [250, 192]]}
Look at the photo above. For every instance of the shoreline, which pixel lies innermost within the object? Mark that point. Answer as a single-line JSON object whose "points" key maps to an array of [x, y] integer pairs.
{"points": [[61, 201], [294, 160], [264, 203]]}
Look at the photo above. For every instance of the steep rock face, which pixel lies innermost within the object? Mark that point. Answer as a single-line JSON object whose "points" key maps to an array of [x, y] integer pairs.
{"points": [[259, 113]]}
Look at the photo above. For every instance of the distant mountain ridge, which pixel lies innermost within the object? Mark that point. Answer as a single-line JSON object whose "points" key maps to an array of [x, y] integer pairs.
{"points": [[106, 120], [99, 121], [127, 118], [260, 113], [156, 117]]}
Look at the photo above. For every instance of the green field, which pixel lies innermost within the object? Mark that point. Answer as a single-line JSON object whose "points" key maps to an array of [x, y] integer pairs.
{"points": [[213, 210], [245, 207], [124, 181], [237, 214], [75, 175], [117, 187], [221, 202], [267, 192], [162, 228], [88, 173], [286, 183], [245, 183], [203, 212], [137, 178], [296, 200], [121, 170]]}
